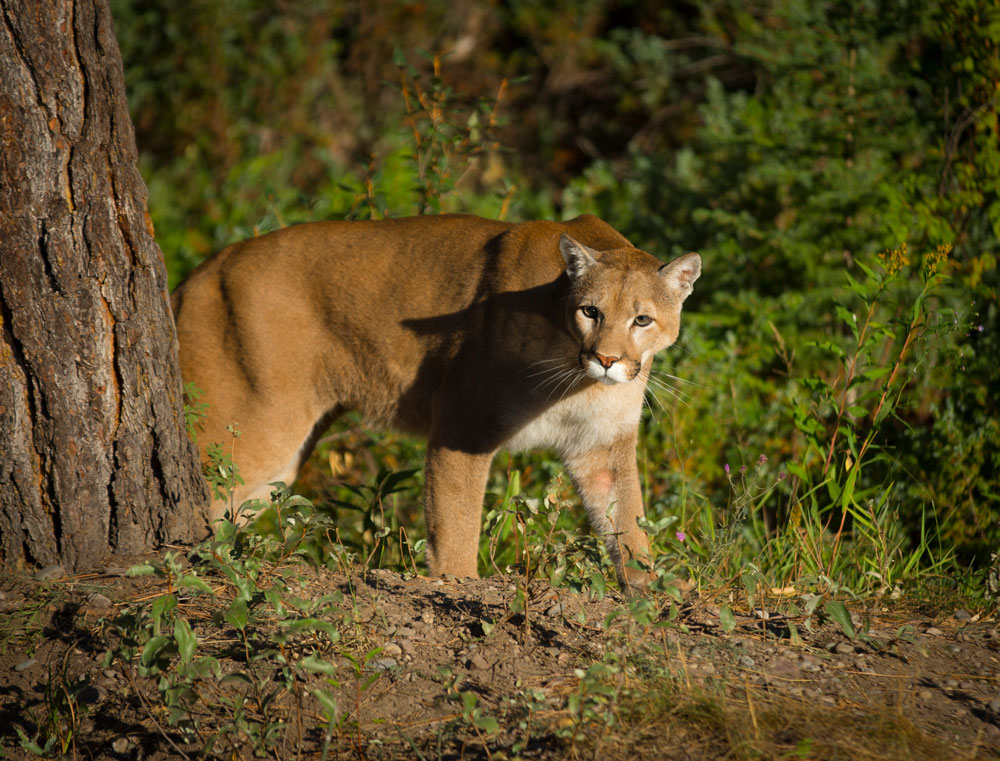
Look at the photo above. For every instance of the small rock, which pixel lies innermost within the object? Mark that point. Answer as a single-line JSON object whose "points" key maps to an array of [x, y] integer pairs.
{"points": [[406, 645], [110, 673], [994, 706], [50, 572], [3, 595], [962, 614], [992, 634], [554, 610], [384, 664], [477, 662], [93, 693], [563, 658], [808, 664], [120, 745], [392, 650], [933, 631], [925, 695], [25, 665], [100, 602], [785, 668], [115, 570], [747, 662], [844, 648], [950, 684], [403, 631], [427, 616]]}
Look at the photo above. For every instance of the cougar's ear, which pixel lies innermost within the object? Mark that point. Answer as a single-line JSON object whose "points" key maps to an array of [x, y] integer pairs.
{"points": [[680, 274], [577, 256]]}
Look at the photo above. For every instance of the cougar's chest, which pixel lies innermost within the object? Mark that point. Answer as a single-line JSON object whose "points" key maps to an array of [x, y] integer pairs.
{"points": [[581, 422]]}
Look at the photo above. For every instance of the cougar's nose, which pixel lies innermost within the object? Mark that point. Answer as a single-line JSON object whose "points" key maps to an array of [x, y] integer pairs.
{"points": [[606, 362]]}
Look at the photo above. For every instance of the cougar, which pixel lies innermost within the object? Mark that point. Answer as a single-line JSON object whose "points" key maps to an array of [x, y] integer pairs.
{"points": [[479, 335]]}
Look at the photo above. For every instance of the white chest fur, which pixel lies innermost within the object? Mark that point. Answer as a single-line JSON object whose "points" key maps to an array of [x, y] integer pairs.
{"points": [[585, 421]]}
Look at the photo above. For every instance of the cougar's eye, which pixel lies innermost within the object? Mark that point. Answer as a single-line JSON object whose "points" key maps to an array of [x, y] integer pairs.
{"points": [[590, 312], [643, 320]]}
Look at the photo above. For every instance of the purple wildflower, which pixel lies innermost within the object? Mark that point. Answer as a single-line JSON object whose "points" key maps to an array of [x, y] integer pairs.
{"points": [[743, 469], [681, 536], [782, 476], [762, 459], [726, 468]]}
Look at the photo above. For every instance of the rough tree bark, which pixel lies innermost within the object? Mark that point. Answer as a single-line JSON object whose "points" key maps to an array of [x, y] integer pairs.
{"points": [[94, 459]]}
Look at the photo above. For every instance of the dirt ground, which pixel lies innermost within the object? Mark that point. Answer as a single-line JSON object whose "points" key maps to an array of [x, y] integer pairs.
{"points": [[918, 684]]}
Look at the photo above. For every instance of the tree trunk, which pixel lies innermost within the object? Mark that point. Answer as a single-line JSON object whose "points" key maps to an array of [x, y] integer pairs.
{"points": [[94, 459]]}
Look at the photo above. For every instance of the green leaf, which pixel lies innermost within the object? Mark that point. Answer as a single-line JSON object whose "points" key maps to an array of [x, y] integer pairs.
{"points": [[847, 493], [141, 569], [237, 614], [162, 605], [313, 625], [187, 642], [486, 723], [317, 665], [328, 703], [152, 649], [837, 611], [195, 584], [727, 619]]}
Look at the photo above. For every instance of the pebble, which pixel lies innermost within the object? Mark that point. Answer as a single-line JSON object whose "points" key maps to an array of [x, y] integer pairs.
{"points": [[25, 665], [476, 662], [100, 602], [392, 650], [962, 615], [809, 665], [110, 673], [3, 595], [933, 631], [747, 662], [50, 572], [384, 664], [554, 610], [950, 683], [427, 617], [406, 645], [120, 745], [844, 648], [925, 695], [994, 706], [786, 668]]}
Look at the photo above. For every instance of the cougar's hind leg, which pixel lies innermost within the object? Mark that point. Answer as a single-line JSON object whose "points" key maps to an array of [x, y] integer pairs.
{"points": [[272, 445]]}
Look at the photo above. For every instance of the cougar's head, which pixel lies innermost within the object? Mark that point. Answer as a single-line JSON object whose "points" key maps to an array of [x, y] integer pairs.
{"points": [[624, 306]]}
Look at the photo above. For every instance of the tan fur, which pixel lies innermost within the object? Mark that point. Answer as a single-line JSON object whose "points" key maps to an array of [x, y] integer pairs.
{"points": [[479, 335]]}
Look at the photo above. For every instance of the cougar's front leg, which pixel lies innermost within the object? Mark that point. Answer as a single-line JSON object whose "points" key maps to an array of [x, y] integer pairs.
{"points": [[607, 479], [454, 485]]}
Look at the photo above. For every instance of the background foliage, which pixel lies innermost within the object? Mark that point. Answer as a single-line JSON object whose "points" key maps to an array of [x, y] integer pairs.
{"points": [[829, 391]]}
